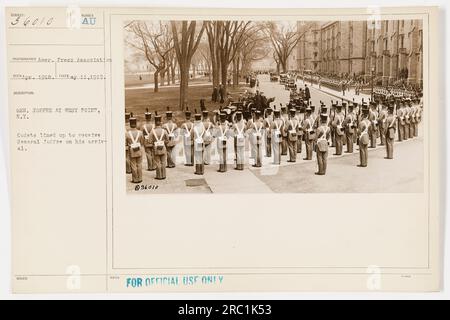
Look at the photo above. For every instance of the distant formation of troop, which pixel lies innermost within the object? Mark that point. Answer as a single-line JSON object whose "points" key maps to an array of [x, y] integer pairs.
{"points": [[272, 133]]}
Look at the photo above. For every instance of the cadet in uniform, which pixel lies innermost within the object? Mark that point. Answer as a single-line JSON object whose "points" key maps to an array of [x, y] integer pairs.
{"points": [[309, 132], [332, 128], [127, 150], [222, 133], [364, 127], [300, 114], [407, 121], [292, 138], [285, 118], [197, 132], [239, 129], [277, 137], [207, 137], [188, 144], [338, 125], [135, 141], [382, 123], [148, 147], [323, 134], [159, 139], [257, 137], [268, 124], [401, 120], [171, 129], [350, 125], [373, 131], [390, 132]]}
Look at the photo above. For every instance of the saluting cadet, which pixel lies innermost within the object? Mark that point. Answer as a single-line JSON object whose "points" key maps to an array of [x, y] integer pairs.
{"points": [[323, 135], [390, 132], [285, 118], [188, 144], [382, 123], [350, 125], [417, 116], [148, 147], [373, 117], [309, 132], [338, 125], [277, 137], [222, 133], [257, 131], [407, 120], [299, 115], [171, 129], [127, 149], [363, 130], [207, 137], [268, 119], [135, 141], [401, 120], [198, 131], [239, 140], [412, 118], [292, 129], [159, 139]]}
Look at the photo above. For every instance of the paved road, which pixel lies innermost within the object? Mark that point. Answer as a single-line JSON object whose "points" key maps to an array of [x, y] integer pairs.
{"points": [[402, 174]]}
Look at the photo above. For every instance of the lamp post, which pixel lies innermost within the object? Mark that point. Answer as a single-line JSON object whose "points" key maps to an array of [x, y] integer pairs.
{"points": [[372, 73]]}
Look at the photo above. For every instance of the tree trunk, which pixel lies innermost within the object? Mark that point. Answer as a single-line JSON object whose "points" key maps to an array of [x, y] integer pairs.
{"points": [[172, 73], [224, 74], [184, 81], [155, 80], [163, 76]]}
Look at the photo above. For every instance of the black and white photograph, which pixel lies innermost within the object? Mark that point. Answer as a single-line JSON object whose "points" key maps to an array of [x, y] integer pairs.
{"points": [[274, 106]]}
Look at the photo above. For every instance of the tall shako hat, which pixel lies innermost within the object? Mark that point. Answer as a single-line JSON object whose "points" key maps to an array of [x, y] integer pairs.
{"points": [[198, 117], [133, 121], [157, 119], [168, 113], [127, 116], [323, 117], [148, 115]]}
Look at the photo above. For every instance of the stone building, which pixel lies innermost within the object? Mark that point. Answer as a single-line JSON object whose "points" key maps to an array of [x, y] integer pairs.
{"points": [[386, 50]]}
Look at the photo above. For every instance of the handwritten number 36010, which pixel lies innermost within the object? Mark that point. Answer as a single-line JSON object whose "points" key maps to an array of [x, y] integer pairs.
{"points": [[32, 21]]}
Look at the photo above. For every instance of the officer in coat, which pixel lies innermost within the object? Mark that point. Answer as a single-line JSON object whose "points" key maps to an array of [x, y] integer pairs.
{"points": [[285, 118]]}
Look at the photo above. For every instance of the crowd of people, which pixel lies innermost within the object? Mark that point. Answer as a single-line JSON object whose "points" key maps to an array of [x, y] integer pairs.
{"points": [[270, 132]]}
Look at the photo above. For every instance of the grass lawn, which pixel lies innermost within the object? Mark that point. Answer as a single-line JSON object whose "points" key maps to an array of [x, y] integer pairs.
{"points": [[138, 100]]}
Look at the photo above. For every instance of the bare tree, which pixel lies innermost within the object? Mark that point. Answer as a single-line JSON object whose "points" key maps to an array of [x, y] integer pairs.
{"points": [[186, 38], [284, 38], [155, 41]]}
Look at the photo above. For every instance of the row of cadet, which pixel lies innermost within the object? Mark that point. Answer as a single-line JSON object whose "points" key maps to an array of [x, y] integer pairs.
{"points": [[272, 133]]}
